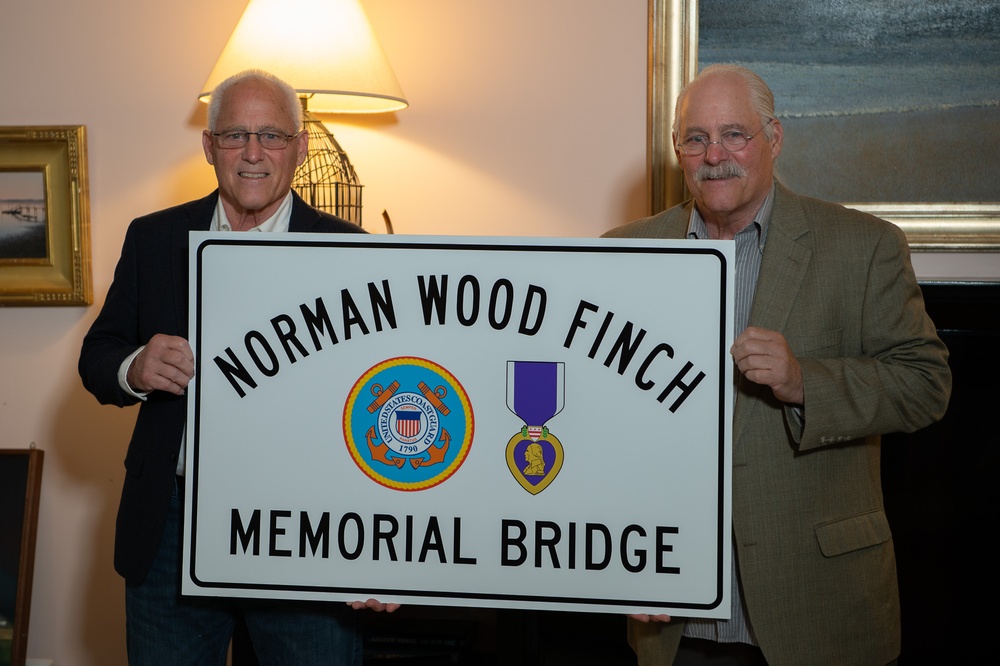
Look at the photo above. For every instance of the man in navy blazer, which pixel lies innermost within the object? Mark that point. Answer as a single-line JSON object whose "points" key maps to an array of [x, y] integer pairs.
{"points": [[136, 352]]}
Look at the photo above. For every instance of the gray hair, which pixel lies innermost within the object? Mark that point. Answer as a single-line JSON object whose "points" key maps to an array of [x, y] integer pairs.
{"points": [[293, 105], [761, 97]]}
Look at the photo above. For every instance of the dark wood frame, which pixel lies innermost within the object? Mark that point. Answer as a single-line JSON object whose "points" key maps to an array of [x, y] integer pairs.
{"points": [[26, 560]]}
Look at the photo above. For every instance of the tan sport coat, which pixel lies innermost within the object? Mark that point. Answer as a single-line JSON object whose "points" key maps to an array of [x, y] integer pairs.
{"points": [[814, 548]]}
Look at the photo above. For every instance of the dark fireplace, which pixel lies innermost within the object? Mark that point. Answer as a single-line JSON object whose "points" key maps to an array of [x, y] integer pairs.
{"points": [[940, 494]]}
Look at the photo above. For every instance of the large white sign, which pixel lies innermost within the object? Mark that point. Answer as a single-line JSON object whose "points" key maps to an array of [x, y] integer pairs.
{"points": [[501, 422]]}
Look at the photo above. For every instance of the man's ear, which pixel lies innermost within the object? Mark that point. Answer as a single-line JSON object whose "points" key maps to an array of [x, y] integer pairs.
{"points": [[302, 145], [206, 144], [777, 136]]}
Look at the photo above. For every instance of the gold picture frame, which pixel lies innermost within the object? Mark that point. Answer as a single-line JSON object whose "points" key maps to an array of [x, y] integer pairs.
{"points": [[673, 61], [44, 216]]}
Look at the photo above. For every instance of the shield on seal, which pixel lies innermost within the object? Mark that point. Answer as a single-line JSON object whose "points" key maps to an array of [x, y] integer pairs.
{"points": [[408, 423]]}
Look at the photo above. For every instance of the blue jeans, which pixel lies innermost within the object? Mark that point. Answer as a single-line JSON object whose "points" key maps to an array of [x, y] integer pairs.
{"points": [[165, 629]]}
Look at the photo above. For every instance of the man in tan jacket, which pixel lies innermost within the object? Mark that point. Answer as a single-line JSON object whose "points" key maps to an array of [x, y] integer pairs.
{"points": [[833, 348]]}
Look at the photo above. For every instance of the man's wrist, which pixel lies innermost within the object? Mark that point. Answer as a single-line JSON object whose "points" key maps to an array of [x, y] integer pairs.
{"points": [[123, 375]]}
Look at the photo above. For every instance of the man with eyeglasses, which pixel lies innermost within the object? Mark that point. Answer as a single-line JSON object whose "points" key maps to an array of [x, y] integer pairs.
{"points": [[136, 352], [833, 348]]}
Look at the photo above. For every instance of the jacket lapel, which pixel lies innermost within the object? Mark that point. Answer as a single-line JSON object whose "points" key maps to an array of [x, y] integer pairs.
{"points": [[194, 216], [786, 259], [785, 262], [304, 217]]}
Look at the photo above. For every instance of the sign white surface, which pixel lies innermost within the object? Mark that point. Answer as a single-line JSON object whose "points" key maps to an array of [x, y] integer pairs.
{"points": [[500, 422]]}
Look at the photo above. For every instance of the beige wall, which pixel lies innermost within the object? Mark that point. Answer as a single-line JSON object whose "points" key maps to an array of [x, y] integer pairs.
{"points": [[526, 118]]}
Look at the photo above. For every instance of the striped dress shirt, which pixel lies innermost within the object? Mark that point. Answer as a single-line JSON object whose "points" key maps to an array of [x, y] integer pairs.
{"points": [[749, 252]]}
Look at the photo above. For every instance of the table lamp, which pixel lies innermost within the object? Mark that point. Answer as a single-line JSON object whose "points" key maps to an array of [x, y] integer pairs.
{"points": [[327, 51]]}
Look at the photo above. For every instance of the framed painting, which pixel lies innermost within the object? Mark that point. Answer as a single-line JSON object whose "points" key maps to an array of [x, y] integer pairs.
{"points": [[20, 489], [886, 109], [44, 216]]}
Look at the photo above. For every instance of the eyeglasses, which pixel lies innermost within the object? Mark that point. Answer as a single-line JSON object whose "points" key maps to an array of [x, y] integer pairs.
{"points": [[269, 140], [732, 141]]}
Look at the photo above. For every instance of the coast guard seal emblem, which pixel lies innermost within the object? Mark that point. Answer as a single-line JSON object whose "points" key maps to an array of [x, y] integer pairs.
{"points": [[408, 423], [535, 393]]}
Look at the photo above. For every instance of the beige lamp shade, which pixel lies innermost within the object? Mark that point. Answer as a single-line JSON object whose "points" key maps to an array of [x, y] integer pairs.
{"points": [[325, 49]]}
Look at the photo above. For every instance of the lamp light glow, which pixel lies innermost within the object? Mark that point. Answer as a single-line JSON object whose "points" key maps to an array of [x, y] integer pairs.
{"points": [[325, 49]]}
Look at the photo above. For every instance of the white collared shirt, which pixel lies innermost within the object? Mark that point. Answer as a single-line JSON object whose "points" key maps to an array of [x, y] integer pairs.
{"points": [[277, 223]]}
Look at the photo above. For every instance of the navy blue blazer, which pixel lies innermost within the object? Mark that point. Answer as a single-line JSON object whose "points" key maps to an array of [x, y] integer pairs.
{"points": [[149, 295]]}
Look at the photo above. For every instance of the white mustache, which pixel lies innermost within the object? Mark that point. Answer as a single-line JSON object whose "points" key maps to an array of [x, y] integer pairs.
{"points": [[719, 171]]}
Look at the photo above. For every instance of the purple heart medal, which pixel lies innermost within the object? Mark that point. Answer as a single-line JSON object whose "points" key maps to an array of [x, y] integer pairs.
{"points": [[535, 393]]}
